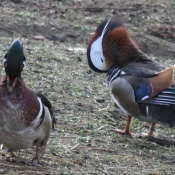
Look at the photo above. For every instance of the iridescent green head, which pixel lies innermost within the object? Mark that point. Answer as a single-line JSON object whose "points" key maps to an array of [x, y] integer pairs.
{"points": [[14, 60]]}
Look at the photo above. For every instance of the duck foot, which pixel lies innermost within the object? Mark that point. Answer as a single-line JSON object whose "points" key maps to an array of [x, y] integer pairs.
{"points": [[150, 132], [126, 130], [144, 135], [123, 132], [37, 163]]}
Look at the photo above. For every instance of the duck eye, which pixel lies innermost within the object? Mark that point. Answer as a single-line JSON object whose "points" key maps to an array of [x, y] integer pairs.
{"points": [[102, 60]]}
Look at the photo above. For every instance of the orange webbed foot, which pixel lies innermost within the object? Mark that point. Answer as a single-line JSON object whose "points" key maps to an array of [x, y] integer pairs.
{"points": [[123, 132], [150, 133], [126, 130]]}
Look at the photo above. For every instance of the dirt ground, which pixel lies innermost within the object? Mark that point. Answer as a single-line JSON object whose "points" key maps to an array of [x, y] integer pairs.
{"points": [[55, 34]]}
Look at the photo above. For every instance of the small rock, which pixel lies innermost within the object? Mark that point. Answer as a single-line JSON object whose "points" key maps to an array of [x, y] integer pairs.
{"points": [[3, 171], [154, 59], [88, 20], [56, 38], [94, 8], [63, 10], [39, 37]]}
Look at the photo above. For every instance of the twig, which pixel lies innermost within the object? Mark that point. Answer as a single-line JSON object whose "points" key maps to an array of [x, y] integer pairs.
{"points": [[110, 118], [94, 148], [66, 149], [101, 127], [72, 137], [74, 146], [90, 88], [98, 103], [54, 153], [101, 109]]}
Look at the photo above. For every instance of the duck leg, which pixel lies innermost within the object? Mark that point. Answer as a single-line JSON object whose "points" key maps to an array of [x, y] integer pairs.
{"points": [[38, 155], [126, 130], [35, 160], [151, 129], [150, 132]]}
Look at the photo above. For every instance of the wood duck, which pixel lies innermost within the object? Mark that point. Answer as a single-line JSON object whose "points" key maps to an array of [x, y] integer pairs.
{"points": [[139, 86], [26, 116]]}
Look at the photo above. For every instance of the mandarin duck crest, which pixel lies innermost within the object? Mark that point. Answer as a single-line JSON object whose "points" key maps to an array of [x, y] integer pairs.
{"points": [[109, 45]]}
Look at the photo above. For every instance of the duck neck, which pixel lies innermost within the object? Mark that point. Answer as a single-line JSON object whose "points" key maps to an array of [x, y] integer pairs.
{"points": [[11, 85]]}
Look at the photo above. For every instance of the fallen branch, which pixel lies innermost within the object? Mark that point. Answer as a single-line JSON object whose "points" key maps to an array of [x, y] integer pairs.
{"points": [[163, 142], [97, 9]]}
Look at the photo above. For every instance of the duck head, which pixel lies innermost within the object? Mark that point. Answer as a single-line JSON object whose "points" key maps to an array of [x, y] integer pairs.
{"points": [[109, 45], [14, 60]]}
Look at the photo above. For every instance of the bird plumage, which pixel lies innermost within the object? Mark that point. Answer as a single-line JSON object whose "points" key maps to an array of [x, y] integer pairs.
{"points": [[25, 116], [139, 86]]}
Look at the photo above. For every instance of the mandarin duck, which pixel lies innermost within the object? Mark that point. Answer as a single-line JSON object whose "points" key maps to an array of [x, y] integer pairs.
{"points": [[139, 86], [26, 116]]}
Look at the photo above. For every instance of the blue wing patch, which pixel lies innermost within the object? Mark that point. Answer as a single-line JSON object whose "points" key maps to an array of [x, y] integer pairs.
{"points": [[143, 91]]}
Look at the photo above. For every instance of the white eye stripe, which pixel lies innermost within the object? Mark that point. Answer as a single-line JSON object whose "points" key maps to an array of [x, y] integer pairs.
{"points": [[4, 60], [104, 30]]}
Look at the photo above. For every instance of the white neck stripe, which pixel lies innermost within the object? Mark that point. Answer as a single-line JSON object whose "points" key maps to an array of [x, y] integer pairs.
{"points": [[41, 108], [113, 77]]}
